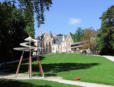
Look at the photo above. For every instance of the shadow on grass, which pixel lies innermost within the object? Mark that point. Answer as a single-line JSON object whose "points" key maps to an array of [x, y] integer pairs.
{"points": [[55, 67], [12, 83], [59, 67], [11, 68]]}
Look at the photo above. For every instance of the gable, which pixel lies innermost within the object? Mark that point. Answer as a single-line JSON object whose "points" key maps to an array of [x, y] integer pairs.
{"points": [[47, 36], [69, 38]]}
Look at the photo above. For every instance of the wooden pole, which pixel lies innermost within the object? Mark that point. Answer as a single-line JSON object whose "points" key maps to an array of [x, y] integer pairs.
{"points": [[30, 66], [20, 61], [30, 61], [40, 66]]}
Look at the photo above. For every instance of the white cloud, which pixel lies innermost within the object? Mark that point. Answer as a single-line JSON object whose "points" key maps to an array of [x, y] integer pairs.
{"points": [[74, 21]]}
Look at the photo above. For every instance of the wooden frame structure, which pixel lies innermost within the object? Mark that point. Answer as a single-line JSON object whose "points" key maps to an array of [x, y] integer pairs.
{"points": [[30, 65], [29, 48]]}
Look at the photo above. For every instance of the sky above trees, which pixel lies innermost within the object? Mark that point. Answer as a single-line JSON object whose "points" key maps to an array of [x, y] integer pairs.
{"points": [[67, 15]]}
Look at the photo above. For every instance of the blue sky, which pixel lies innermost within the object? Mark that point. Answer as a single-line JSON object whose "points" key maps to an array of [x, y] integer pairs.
{"points": [[67, 15]]}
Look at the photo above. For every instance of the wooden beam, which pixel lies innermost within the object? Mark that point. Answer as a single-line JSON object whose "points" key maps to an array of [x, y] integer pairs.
{"points": [[20, 61], [40, 66]]}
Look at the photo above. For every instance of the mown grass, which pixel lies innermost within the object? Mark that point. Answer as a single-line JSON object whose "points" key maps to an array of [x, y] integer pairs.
{"points": [[32, 83], [90, 68]]}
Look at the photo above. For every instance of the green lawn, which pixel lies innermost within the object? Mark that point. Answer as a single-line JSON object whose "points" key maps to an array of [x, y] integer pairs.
{"points": [[31, 83], [89, 68]]}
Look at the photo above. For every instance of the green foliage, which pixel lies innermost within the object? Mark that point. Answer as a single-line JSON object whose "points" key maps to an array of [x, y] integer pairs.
{"points": [[105, 36], [16, 24], [37, 6], [73, 36], [12, 31], [77, 35], [28, 15], [30, 7], [89, 35], [59, 34]]}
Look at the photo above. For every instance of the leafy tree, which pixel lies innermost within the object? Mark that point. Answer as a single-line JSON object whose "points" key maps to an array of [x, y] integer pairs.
{"points": [[89, 35], [38, 7], [59, 34], [30, 8], [105, 36], [77, 35], [73, 36], [12, 30], [17, 24], [28, 15]]}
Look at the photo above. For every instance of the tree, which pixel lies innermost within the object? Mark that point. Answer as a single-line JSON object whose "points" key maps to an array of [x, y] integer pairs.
{"points": [[60, 34], [31, 8], [28, 15], [72, 35], [17, 24], [89, 35], [38, 7], [77, 35], [105, 36], [12, 31]]}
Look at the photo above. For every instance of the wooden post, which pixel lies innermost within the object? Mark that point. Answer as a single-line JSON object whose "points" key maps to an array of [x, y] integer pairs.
{"points": [[30, 67], [20, 61], [40, 66]]}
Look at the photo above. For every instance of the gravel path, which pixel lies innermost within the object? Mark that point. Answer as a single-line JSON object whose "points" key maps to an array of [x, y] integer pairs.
{"points": [[110, 58], [83, 84], [55, 79]]}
